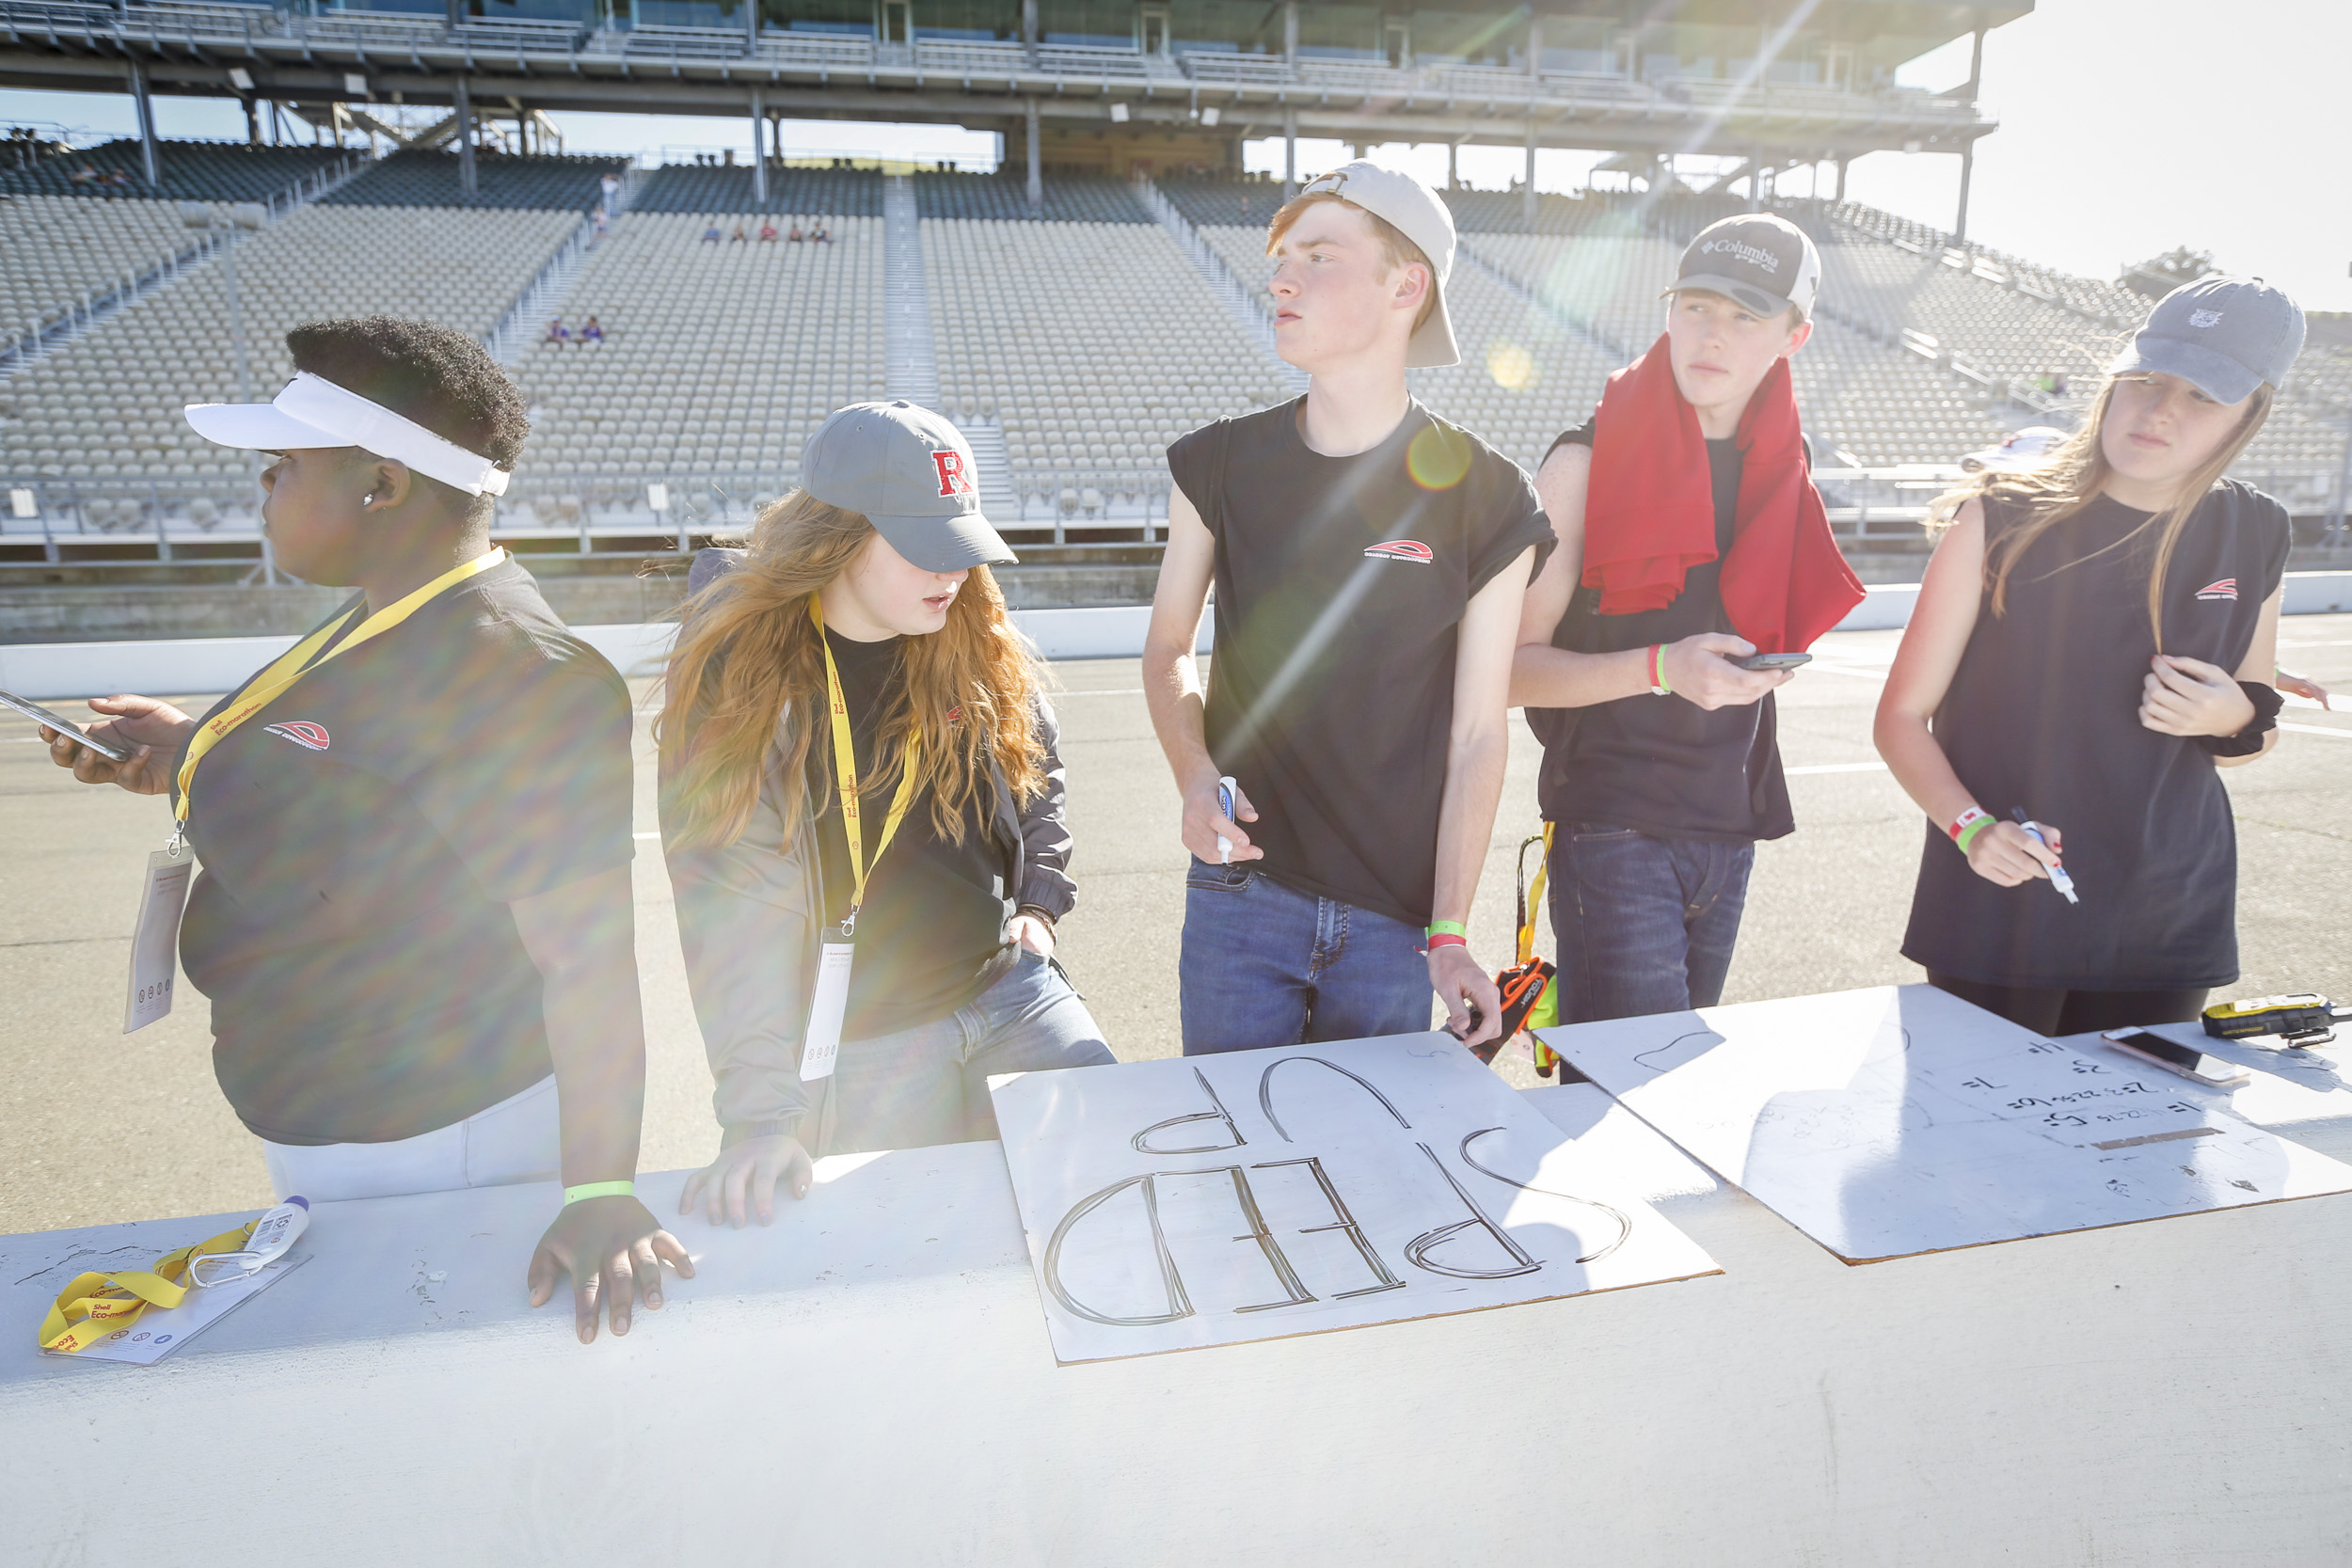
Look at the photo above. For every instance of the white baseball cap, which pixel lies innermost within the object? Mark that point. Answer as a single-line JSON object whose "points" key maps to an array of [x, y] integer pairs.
{"points": [[313, 411], [1414, 211]]}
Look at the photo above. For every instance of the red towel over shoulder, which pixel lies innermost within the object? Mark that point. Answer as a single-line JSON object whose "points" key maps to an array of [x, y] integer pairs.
{"points": [[1650, 510]]}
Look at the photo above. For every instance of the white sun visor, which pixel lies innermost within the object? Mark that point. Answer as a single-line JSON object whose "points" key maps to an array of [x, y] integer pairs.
{"points": [[313, 411]]}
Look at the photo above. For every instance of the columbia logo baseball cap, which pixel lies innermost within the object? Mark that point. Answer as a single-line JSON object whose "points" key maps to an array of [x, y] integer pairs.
{"points": [[2224, 336], [910, 472], [1414, 211], [1758, 259]]}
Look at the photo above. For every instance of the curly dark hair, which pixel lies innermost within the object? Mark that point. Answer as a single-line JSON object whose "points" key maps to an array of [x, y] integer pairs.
{"points": [[434, 375]]}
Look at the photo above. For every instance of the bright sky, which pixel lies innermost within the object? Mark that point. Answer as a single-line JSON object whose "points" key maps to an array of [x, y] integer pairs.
{"points": [[2127, 127]]}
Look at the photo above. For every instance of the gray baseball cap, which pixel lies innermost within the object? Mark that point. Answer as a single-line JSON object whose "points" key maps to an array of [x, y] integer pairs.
{"points": [[1414, 211], [2224, 336], [1758, 259], [910, 472]]}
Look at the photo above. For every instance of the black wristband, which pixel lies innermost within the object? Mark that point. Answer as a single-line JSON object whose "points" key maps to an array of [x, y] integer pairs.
{"points": [[2248, 740], [1040, 911]]}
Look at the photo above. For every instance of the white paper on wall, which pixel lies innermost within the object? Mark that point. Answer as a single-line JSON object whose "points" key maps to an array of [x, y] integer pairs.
{"points": [[1900, 1119], [1258, 1194]]}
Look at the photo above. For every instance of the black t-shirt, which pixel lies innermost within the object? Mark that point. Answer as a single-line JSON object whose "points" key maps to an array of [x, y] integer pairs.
{"points": [[1661, 764], [360, 838], [932, 935], [2043, 714], [1340, 584]]}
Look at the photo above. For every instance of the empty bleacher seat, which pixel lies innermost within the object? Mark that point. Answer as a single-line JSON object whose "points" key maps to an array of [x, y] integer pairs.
{"points": [[725, 188], [192, 171], [1068, 197], [109, 404], [430, 178], [55, 249], [719, 359]]}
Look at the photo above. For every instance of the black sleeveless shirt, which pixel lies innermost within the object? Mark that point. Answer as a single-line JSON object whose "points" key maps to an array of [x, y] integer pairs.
{"points": [[1661, 764], [2043, 713]]}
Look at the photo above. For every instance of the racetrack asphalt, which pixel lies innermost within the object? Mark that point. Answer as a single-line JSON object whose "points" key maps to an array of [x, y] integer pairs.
{"points": [[101, 1127]]}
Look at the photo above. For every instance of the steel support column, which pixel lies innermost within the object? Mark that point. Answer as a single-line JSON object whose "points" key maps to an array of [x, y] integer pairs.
{"points": [[1289, 152], [760, 152], [466, 183], [150, 162], [1527, 197], [1037, 161]]}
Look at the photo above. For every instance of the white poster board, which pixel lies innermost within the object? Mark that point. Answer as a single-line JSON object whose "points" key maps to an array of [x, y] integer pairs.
{"points": [[1259, 1193], [1900, 1119]]}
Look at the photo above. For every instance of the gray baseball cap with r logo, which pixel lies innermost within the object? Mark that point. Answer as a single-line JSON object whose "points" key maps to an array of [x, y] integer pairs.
{"points": [[910, 472], [2224, 336]]}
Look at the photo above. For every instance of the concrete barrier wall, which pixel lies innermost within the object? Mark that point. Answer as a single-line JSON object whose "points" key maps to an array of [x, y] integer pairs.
{"points": [[869, 1382], [177, 667]]}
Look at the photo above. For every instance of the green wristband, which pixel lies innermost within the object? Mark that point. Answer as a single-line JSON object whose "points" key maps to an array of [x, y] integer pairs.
{"points": [[1970, 831], [598, 1189], [1446, 928]]}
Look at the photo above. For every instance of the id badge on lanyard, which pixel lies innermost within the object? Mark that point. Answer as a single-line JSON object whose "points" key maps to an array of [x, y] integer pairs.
{"points": [[155, 940], [829, 1000]]}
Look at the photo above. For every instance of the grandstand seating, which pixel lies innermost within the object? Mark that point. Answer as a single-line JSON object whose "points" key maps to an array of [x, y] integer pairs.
{"points": [[1094, 343], [708, 188], [192, 171], [1068, 197], [56, 248], [429, 178], [110, 405], [720, 359]]}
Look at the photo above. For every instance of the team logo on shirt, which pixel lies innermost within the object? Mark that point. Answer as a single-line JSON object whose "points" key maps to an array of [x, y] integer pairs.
{"points": [[309, 736], [2225, 588], [1402, 549]]}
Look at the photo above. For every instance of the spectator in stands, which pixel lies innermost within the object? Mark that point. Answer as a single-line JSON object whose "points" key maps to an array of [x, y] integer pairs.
{"points": [[739, 237], [820, 236], [1368, 559], [2124, 563], [795, 236], [871, 581], [597, 221], [558, 334], [414, 918], [710, 235], [591, 334], [86, 175], [767, 231], [1690, 538]]}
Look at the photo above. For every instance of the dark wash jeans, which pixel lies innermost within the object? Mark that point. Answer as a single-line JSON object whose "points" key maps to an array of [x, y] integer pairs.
{"points": [[1645, 925], [1265, 964]]}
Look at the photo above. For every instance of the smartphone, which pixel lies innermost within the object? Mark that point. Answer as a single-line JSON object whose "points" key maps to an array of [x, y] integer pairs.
{"points": [[110, 750], [2187, 1061], [1773, 661]]}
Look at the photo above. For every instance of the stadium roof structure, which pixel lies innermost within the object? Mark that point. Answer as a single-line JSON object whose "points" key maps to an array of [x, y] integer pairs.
{"points": [[1100, 85]]}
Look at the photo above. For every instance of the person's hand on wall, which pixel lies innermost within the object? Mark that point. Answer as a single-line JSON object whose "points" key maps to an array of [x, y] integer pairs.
{"points": [[742, 1181], [613, 1249]]}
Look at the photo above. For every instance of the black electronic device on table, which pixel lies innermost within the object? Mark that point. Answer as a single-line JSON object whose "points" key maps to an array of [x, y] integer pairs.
{"points": [[2189, 1062], [111, 750]]}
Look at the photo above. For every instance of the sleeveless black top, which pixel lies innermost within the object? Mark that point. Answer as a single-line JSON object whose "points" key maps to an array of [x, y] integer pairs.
{"points": [[2043, 713], [1660, 765]]}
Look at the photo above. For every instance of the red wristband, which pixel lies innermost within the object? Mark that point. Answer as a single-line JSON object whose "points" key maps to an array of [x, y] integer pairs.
{"points": [[1445, 939], [1967, 825]]}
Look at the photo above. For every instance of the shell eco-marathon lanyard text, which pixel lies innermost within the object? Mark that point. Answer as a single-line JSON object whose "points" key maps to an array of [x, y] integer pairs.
{"points": [[303, 657], [845, 777], [96, 1305]]}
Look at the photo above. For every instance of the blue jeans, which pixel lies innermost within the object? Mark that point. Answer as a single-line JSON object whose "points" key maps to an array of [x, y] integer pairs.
{"points": [[1645, 925], [1266, 964], [929, 1084]]}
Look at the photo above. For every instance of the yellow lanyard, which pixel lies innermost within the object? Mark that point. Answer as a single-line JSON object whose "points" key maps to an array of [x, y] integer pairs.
{"points": [[296, 663], [96, 1305], [845, 777]]}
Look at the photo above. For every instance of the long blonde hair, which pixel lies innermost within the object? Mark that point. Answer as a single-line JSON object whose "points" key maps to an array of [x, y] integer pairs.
{"points": [[2069, 477], [748, 672]]}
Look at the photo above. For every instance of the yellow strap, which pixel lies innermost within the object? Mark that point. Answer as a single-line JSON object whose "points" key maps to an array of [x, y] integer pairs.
{"points": [[96, 1305], [296, 663], [1535, 900], [845, 776]]}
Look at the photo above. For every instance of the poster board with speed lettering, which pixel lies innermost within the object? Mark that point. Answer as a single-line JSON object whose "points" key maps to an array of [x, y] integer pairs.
{"points": [[1899, 1120], [1207, 1200]]}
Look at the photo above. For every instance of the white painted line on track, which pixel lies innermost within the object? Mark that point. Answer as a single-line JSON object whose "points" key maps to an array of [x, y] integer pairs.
{"points": [[2344, 733], [1837, 767]]}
